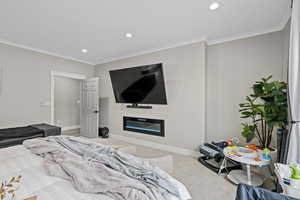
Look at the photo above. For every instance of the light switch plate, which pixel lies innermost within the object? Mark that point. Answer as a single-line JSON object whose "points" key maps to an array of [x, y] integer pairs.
{"points": [[45, 104]]}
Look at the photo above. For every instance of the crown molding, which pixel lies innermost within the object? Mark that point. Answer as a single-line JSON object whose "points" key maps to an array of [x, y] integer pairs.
{"points": [[279, 27], [285, 19], [202, 39], [6, 42], [242, 36]]}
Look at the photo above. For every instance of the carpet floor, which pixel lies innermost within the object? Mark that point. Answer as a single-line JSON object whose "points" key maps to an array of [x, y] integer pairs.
{"points": [[202, 183]]}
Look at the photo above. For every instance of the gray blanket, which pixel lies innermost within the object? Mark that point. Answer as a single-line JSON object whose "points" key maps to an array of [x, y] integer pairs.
{"points": [[247, 192], [100, 169]]}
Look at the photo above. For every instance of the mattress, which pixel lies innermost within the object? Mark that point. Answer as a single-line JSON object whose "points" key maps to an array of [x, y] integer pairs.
{"points": [[17, 160]]}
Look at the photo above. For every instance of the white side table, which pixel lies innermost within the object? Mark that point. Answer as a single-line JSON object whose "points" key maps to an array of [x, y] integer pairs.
{"points": [[242, 176]]}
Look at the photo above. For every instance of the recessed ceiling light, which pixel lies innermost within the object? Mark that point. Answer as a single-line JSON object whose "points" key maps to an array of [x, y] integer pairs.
{"points": [[214, 6], [128, 35], [84, 50]]}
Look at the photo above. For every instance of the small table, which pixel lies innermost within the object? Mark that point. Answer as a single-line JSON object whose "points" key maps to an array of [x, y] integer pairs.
{"points": [[242, 176]]}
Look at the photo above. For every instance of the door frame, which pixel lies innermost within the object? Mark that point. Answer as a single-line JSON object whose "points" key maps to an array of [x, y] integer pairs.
{"points": [[53, 74]]}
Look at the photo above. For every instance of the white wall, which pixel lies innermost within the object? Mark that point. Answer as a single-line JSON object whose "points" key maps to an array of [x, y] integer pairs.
{"points": [[26, 84], [184, 70], [66, 101], [232, 69]]}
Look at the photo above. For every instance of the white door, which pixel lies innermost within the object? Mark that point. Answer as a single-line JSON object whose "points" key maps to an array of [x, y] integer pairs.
{"points": [[89, 113]]}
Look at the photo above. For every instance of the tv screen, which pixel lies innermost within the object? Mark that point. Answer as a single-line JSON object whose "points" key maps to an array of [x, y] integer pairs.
{"points": [[139, 85]]}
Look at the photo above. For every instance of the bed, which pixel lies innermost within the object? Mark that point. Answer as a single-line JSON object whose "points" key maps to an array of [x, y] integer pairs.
{"points": [[18, 160]]}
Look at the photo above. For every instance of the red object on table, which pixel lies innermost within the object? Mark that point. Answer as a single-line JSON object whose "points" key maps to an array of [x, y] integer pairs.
{"points": [[252, 147]]}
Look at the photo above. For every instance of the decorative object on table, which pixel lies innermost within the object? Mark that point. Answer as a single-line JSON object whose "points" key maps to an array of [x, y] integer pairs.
{"points": [[267, 109], [235, 141], [232, 147], [9, 188], [245, 152], [266, 154], [103, 132], [252, 146]]}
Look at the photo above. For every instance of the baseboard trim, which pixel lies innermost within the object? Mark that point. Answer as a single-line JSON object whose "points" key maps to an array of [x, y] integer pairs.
{"points": [[68, 128], [173, 149]]}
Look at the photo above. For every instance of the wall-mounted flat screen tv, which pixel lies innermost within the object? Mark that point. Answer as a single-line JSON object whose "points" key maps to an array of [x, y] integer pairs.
{"points": [[139, 85]]}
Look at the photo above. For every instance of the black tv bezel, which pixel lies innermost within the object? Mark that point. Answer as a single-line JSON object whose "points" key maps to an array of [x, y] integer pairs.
{"points": [[141, 103]]}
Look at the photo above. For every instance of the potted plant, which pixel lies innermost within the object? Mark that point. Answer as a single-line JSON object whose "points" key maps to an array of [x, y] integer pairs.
{"points": [[265, 110]]}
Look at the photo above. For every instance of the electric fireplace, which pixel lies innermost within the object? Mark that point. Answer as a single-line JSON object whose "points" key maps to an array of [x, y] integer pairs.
{"points": [[154, 127]]}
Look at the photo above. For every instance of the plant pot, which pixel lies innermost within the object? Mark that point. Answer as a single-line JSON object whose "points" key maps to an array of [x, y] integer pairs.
{"points": [[282, 144], [273, 154]]}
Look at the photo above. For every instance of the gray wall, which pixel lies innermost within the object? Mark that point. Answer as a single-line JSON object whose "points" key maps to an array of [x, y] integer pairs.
{"points": [[184, 70], [26, 84], [201, 80], [104, 111], [231, 70], [66, 101], [286, 45]]}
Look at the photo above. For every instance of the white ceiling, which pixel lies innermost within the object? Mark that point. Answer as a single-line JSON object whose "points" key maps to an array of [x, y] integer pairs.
{"points": [[64, 27]]}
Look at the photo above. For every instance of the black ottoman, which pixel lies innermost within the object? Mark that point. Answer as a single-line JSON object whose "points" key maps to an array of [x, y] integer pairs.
{"points": [[49, 130]]}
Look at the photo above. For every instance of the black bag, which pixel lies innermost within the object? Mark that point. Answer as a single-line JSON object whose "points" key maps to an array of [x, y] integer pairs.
{"points": [[104, 132]]}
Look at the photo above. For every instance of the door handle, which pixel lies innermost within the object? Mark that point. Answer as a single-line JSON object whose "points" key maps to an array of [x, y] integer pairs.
{"points": [[96, 111]]}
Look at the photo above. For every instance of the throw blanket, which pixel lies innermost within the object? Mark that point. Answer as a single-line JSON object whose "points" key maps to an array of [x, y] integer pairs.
{"points": [[247, 192], [101, 169]]}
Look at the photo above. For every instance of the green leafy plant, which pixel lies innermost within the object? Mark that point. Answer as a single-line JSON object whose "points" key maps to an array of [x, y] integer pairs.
{"points": [[8, 187], [265, 109]]}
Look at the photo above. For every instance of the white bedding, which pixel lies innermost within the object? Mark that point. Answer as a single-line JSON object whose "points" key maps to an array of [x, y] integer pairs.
{"points": [[18, 160]]}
